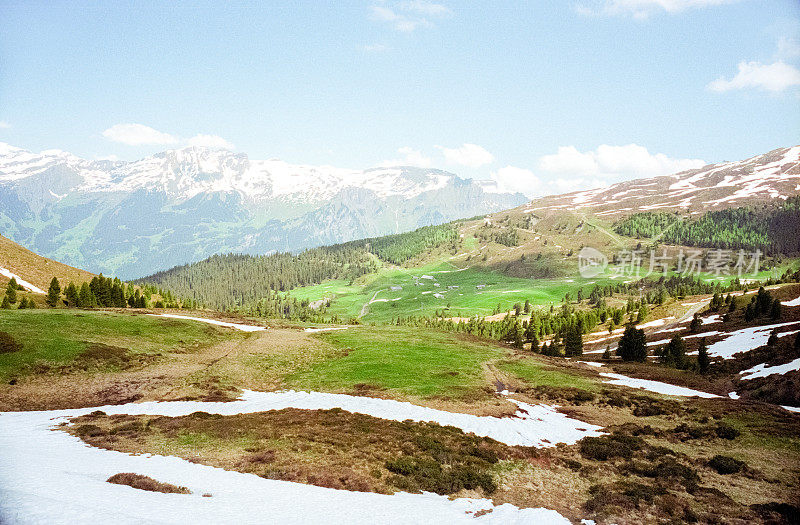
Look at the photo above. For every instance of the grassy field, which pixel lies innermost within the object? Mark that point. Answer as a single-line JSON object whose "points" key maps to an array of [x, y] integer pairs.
{"points": [[468, 292], [53, 338], [410, 361]]}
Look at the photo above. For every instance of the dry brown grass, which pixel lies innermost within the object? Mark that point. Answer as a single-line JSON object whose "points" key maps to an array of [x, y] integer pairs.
{"points": [[36, 269], [329, 448], [141, 482]]}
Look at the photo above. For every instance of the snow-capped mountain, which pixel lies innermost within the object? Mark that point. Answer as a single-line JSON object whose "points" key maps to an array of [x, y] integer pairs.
{"points": [[133, 218], [773, 175]]}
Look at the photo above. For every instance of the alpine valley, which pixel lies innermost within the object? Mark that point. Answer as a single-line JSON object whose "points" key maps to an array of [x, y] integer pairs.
{"points": [[134, 218]]}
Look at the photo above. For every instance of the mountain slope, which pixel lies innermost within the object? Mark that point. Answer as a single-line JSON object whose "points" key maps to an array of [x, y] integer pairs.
{"points": [[16, 261], [773, 175], [133, 218]]}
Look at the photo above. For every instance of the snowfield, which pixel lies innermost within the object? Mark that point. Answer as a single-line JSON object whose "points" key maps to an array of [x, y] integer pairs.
{"points": [[654, 386], [51, 477], [763, 370], [20, 281], [242, 327], [744, 340], [793, 302]]}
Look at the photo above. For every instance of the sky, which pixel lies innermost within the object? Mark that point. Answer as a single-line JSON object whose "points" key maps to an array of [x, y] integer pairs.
{"points": [[543, 97]]}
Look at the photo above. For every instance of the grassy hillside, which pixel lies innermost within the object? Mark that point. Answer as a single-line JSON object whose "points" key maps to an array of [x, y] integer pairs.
{"points": [[36, 269]]}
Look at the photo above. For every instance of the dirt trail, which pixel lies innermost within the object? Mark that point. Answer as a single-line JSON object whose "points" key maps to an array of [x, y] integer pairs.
{"points": [[216, 371], [365, 308]]}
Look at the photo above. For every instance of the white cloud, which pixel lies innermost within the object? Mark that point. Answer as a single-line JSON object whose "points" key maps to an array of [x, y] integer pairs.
{"points": [[425, 8], [138, 135], [521, 180], [775, 77], [210, 141], [141, 135], [410, 157], [4, 124], [644, 8], [614, 162], [470, 155], [513, 179], [407, 16]]}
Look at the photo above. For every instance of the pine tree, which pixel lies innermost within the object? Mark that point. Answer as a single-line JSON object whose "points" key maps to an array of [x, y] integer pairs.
{"points": [[633, 344], [775, 309], [534, 343], [23, 303], [703, 361], [85, 297], [53, 293], [573, 341], [696, 323], [6, 305], [674, 353], [72, 294], [11, 290]]}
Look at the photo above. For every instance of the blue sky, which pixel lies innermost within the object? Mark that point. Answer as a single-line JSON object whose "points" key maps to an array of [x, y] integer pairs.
{"points": [[542, 96]]}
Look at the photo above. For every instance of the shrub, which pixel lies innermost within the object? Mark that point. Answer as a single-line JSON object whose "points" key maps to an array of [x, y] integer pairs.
{"points": [[726, 464], [89, 431], [140, 482], [605, 447], [8, 344], [726, 431]]}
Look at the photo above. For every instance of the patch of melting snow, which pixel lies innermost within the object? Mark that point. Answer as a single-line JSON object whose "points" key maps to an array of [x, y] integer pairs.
{"points": [[733, 395], [763, 370], [791, 409], [52, 477], [591, 363], [665, 330], [657, 322], [20, 281], [711, 319], [793, 302], [744, 340], [242, 327], [654, 386]]}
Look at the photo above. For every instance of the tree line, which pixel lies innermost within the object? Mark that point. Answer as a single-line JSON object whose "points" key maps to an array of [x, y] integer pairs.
{"points": [[770, 228]]}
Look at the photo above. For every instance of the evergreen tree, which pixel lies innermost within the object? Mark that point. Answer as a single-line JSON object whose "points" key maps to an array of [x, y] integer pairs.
{"points": [[573, 341], [11, 290], [703, 360], [72, 294], [775, 309], [53, 293], [674, 353], [607, 353], [6, 305], [696, 323], [23, 303], [86, 298], [633, 344], [534, 343]]}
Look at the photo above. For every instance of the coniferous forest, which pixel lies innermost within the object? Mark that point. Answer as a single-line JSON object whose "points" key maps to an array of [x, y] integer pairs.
{"points": [[771, 228]]}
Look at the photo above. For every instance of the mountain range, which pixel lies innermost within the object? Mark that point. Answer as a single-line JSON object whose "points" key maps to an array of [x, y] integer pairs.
{"points": [[762, 178], [134, 218]]}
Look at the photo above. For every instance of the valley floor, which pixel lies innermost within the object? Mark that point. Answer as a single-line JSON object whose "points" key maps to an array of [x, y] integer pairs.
{"points": [[415, 422]]}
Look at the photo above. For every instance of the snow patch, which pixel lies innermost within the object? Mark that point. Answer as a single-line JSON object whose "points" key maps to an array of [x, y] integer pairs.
{"points": [[52, 477], [763, 370], [242, 327], [654, 386], [20, 281]]}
